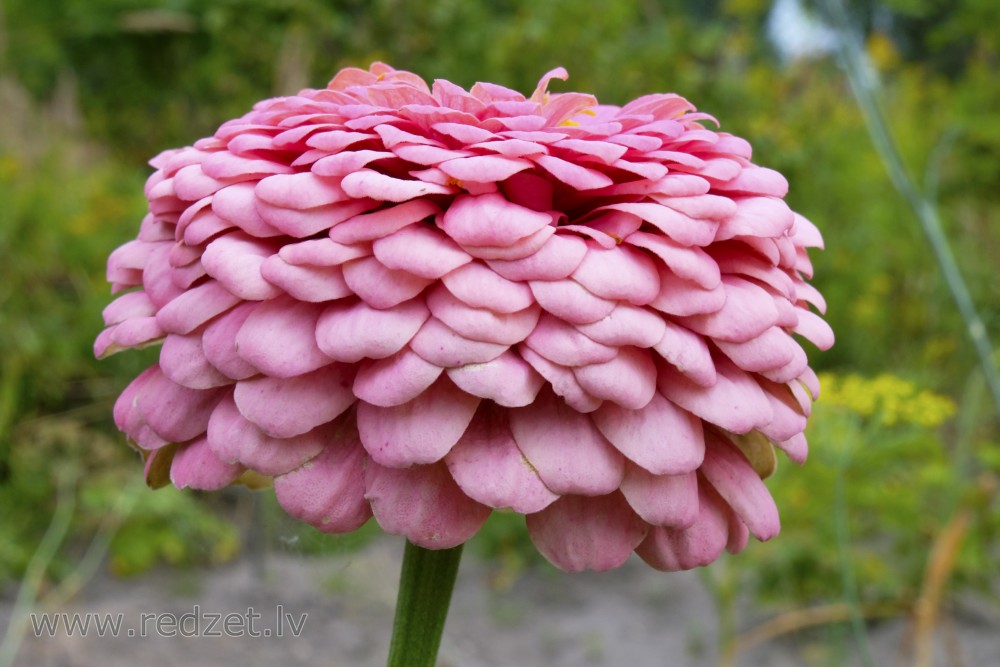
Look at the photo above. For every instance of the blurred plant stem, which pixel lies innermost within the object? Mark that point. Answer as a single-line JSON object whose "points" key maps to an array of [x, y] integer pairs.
{"points": [[865, 86], [27, 595], [425, 585]]}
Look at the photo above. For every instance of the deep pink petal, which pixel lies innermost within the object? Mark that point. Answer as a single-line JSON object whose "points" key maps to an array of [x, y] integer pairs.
{"points": [[219, 343], [174, 412]]}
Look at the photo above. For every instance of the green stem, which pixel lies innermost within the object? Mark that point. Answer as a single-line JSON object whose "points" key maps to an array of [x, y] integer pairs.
{"points": [[425, 585]]}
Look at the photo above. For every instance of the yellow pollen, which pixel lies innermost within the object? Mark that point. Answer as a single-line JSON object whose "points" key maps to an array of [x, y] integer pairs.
{"points": [[380, 76], [453, 182], [569, 123], [589, 112]]}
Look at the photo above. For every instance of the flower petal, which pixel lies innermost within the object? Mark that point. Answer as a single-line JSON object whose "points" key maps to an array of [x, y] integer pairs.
{"points": [[564, 446], [420, 431], [507, 380], [490, 469], [394, 380], [490, 220], [727, 469], [423, 503], [195, 466], [279, 338], [672, 549], [578, 533], [351, 332]]}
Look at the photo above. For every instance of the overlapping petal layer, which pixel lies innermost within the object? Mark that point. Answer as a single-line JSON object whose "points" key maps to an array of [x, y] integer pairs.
{"points": [[424, 303]]}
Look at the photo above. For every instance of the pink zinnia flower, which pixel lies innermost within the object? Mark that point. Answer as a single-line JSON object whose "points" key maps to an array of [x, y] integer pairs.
{"points": [[427, 303]]}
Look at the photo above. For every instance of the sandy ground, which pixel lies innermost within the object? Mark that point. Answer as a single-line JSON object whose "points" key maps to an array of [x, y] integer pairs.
{"points": [[632, 617]]}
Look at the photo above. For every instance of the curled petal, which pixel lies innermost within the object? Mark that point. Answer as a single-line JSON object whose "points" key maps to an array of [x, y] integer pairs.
{"points": [[727, 469], [507, 380], [351, 332], [195, 466], [490, 220], [673, 549]]}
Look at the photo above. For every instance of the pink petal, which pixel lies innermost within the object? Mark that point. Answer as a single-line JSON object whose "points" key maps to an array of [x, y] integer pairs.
{"points": [[329, 490], [127, 306], [322, 252], [627, 325], [306, 283], [368, 183], [233, 439], [688, 353], [379, 286], [235, 261], [563, 344], [424, 504], [484, 168], [307, 222], [174, 412], [788, 419], [346, 162], [727, 469], [219, 343], [702, 207], [279, 338], [684, 230], [195, 307], [490, 220], [350, 332], [519, 249], [748, 312], [481, 324], [286, 407], [195, 466], [420, 431], [570, 301], [562, 380], [683, 297], [565, 448], [421, 250], [490, 469], [182, 360], [662, 500], [237, 204], [671, 549], [383, 222], [628, 380], [507, 380], [769, 351], [573, 175], [622, 273], [578, 533], [440, 345], [479, 287], [137, 332], [735, 402], [660, 437], [299, 191], [689, 263], [757, 216], [814, 329], [394, 380], [756, 180]]}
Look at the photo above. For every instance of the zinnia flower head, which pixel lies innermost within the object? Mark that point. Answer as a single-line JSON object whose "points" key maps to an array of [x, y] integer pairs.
{"points": [[426, 303]]}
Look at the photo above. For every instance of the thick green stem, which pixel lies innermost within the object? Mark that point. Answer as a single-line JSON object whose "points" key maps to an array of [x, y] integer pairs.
{"points": [[425, 585]]}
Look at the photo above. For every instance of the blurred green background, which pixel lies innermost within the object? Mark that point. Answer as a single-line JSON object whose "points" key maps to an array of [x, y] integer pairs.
{"points": [[898, 503]]}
